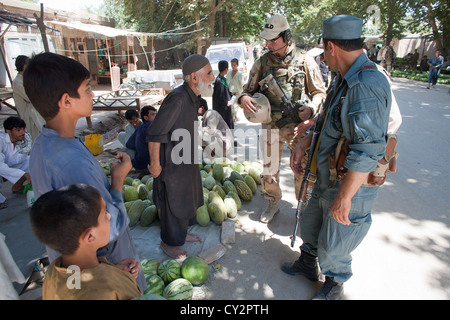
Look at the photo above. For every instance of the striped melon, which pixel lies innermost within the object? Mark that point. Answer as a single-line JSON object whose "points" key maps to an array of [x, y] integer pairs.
{"points": [[209, 182], [251, 183], [155, 284], [150, 266], [255, 174], [136, 209], [219, 190], [169, 270], [130, 193], [128, 181], [179, 289], [216, 213], [244, 192], [218, 172], [236, 199], [142, 191], [234, 175]]}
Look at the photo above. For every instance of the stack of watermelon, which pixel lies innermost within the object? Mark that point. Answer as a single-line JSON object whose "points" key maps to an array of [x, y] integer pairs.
{"points": [[171, 280], [226, 184]]}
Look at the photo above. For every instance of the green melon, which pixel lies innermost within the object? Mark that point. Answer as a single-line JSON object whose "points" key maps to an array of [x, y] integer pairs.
{"points": [[179, 289], [203, 215], [236, 199], [255, 174], [219, 190], [251, 183], [234, 175], [155, 284], [244, 192], [217, 172], [258, 166], [128, 181], [146, 178], [136, 182], [135, 212], [150, 266], [148, 215], [209, 182], [195, 270], [130, 193], [128, 205], [214, 197], [216, 213], [169, 270], [237, 166], [206, 161], [142, 191], [149, 184], [222, 161], [229, 186]]}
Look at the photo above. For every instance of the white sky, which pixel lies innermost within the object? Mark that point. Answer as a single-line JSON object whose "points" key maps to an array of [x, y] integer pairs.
{"points": [[71, 5]]}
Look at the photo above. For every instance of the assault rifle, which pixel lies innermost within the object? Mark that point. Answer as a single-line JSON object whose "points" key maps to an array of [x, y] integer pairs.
{"points": [[309, 178], [288, 110]]}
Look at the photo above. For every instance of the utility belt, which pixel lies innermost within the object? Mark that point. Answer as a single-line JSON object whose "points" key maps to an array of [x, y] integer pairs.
{"points": [[377, 177]]}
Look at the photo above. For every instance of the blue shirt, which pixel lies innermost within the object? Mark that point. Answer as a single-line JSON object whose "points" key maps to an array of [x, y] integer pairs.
{"points": [[138, 143], [56, 162], [364, 118]]}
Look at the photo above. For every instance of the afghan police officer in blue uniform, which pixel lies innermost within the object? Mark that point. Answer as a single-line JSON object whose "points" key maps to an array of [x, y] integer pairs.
{"points": [[338, 215]]}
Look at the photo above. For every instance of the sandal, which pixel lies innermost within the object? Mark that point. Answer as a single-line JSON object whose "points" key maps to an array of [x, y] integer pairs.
{"points": [[3, 205]]}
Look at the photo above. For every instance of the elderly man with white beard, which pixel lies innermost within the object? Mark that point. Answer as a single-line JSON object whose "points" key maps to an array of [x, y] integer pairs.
{"points": [[177, 186]]}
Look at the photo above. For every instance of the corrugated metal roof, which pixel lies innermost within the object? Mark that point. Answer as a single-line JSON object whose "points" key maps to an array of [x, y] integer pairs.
{"points": [[14, 18]]}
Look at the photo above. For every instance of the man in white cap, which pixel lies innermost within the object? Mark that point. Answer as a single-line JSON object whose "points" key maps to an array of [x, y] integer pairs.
{"points": [[298, 75], [177, 186], [338, 215]]}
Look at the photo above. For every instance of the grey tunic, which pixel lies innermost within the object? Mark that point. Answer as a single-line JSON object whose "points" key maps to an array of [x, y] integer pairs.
{"points": [[177, 191]]}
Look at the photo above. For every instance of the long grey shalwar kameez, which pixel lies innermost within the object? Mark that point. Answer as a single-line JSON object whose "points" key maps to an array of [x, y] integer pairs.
{"points": [[177, 191]]}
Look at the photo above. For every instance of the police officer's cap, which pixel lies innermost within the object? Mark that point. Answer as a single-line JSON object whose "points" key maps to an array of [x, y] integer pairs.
{"points": [[262, 114], [342, 27]]}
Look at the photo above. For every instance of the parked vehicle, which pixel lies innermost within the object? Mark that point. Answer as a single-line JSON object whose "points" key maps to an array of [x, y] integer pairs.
{"points": [[228, 51]]}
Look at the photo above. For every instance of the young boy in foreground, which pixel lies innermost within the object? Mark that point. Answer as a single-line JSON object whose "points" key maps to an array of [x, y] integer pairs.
{"points": [[73, 221]]}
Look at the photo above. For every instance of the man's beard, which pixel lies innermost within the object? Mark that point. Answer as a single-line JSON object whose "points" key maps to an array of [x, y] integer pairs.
{"points": [[204, 88]]}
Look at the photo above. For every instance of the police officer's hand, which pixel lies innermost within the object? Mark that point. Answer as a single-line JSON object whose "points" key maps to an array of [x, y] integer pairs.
{"points": [[299, 152], [248, 104], [303, 127]]}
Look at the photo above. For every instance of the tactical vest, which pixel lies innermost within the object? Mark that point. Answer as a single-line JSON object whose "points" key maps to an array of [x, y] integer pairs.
{"points": [[290, 77]]}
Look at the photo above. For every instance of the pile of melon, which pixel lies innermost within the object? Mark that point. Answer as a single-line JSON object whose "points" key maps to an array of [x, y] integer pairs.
{"points": [[171, 280], [226, 184]]}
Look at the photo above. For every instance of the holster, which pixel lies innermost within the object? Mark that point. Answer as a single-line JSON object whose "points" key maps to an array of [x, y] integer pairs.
{"points": [[377, 177]]}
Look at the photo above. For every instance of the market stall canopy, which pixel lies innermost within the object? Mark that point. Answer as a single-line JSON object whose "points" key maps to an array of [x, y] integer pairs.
{"points": [[15, 19], [100, 30]]}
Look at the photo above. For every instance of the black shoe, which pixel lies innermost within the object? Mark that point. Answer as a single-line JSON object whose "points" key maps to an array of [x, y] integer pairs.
{"points": [[307, 266], [330, 290]]}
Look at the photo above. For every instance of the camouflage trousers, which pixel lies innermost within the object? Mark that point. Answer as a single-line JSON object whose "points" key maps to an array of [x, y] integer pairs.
{"points": [[272, 144]]}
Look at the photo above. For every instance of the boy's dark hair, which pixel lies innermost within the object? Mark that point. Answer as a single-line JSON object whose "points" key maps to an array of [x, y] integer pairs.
{"points": [[222, 65], [203, 103], [59, 217], [235, 60], [47, 77], [21, 61], [131, 114], [145, 110], [346, 45], [13, 122]]}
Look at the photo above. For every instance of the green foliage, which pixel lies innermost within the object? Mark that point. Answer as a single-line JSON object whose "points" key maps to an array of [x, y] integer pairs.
{"points": [[419, 76]]}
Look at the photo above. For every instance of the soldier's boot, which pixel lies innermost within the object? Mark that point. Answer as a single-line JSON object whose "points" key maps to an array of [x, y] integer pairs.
{"points": [[307, 265], [330, 290], [272, 209]]}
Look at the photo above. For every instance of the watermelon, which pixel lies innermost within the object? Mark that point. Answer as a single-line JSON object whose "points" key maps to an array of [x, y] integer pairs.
{"points": [[255, 174], [150, 296], [136, 182], [258, 166], [146, 178], [155, 284], [130, 193], [179, 289], [238, 167], [244, 192], [206, 161], [214, 197], [150, 266], [128, 205], [234, 175], [229, 186], [195, 270], [222, 161], [149, 184], [203, 215], [219, 190], [169, 270], [148, 215]]}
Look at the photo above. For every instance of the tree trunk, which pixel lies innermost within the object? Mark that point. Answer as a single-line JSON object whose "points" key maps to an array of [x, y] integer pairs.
{"points": [[433, 26]]}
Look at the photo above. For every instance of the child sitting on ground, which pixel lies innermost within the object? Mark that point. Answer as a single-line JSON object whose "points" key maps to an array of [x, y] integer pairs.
{"points": [[73, 220]]}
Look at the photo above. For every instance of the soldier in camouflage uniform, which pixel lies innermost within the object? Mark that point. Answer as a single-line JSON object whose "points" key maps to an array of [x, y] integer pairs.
{"points": [[299, 77]]}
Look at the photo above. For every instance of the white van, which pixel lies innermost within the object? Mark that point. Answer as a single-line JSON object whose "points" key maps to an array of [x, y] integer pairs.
{"points": [[227, 52]]}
